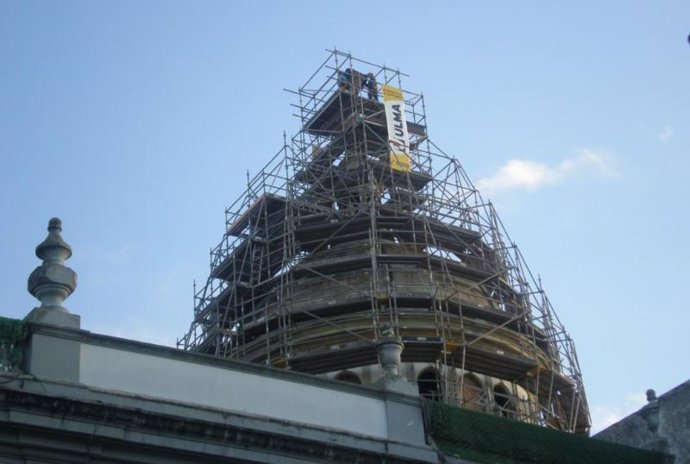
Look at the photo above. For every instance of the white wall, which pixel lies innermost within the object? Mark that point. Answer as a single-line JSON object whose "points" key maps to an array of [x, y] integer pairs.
{"points": [[224, 388]]}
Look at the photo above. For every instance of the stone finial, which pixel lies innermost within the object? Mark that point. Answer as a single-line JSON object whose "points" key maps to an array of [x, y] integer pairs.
{"points": [[389, 350], [651, 395], [54, 249], [52, 282], [650, 412]]}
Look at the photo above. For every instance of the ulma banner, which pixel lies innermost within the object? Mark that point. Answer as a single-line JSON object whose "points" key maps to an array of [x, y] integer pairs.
{"points": [[397, 128]]}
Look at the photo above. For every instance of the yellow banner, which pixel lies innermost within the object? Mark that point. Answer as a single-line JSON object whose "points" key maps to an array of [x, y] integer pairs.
{"points": [[398, 138], [391, 93], [400, 162]]}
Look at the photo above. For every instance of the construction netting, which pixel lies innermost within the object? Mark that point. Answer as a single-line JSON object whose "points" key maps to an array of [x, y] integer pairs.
{"points": [[11, 343], [485, 438]]}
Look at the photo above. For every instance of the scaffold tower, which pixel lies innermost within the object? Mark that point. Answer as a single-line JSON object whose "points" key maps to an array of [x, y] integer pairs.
{"points": [[359, 226]]}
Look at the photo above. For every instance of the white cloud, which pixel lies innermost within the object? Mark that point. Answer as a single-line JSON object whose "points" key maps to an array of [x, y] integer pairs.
{"points": [[519, 174], [604, 415], [666, 133]]}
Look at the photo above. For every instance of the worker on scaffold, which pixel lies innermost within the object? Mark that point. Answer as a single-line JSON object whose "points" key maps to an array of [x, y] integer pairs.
{"points": [[351, 79], [345, 79], [371, 86]]}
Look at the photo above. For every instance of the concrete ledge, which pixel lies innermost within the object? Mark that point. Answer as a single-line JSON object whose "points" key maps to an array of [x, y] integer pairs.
{"points": [[68, 414], [79, 366]]}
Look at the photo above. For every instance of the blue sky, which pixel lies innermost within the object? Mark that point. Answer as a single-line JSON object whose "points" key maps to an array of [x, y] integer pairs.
{"points": [[135, 122]]}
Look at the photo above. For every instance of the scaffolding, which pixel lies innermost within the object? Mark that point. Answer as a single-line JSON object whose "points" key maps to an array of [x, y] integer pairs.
{"points": [[331, 244]]}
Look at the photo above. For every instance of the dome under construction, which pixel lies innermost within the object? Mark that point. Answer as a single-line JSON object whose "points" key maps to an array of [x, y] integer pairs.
{"points": [[360, 228]]}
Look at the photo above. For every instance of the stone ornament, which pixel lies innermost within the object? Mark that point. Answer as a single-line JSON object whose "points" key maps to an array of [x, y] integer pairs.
{"points": [[52, 282], [389, 351]]}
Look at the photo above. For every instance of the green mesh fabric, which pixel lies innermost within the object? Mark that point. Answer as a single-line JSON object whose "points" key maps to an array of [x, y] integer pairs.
{"points": [[11, 344], [483, 438]]}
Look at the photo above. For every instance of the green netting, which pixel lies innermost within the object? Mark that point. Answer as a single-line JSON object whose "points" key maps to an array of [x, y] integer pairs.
{"points": [[12, 337], [484, 438]]}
